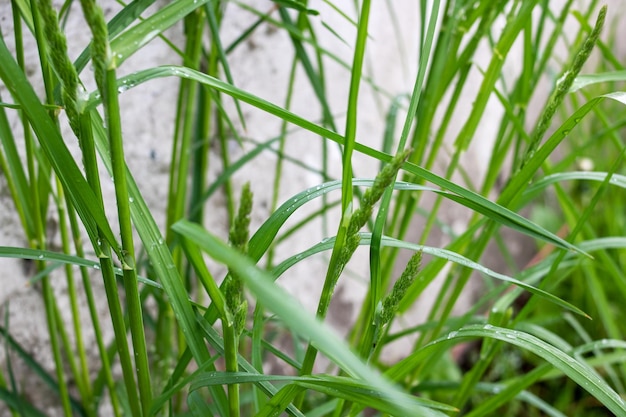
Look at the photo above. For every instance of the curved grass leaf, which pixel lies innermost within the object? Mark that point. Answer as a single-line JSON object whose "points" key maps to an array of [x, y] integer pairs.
{"points": [[279, 402], [583, 81], [119, 22], [55, 149], [538, 186], [460, 194], [512, 388], [17, 402], [263, 237], [341, 387], [296, 5], [579, 372], [198, 405], [129, 42], [61, 259], [521, 179], [14, 172], [39, 370], [171, 390], [216, 341], [158, 252], [327, 244], [291, 313]]}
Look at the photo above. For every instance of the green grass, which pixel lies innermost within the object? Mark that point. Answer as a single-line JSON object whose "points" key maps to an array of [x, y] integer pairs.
{"points": [[542, 338]]}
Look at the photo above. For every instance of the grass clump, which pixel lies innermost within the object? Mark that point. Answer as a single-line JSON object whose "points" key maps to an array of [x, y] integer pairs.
{"points": [[523, 346]]}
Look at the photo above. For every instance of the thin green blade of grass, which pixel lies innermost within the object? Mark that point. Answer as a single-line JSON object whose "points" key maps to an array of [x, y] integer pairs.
{"points": [[296, 5], [38, 369], [491, 388], [562, 86], [352, 108], [515, 221], [20, 404], [264, 236], [295, 31], [585, 80], [221, 53], [597, 360], [57, 259], [117, 24], [579, 372], [521, 179], [314, 77], [376, 276], [512, 387], [13, 170], [206, 279], [198, 405], [448, 255], [171, 389], [130, 41], [280, 401], [229, 172], [158, 252], [25, 12], [538, 186], [533, 274], [216, 341], [515, 24], [290, 311], [55, 149], [343, 387]]}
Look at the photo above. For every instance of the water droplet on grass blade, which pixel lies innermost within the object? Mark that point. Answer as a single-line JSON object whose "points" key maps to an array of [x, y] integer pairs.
{"points": [[512, 336]]}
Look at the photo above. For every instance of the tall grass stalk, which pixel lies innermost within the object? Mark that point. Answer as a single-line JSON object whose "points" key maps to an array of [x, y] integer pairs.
{"points": [[523, 346]]}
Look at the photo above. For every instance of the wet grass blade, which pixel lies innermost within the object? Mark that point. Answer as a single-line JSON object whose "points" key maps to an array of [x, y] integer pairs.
{"points": [[579, 372], [290, 311], [55, 149], [468, 198]]}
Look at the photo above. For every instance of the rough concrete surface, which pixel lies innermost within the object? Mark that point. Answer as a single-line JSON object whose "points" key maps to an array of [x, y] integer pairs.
{"points": [[260, 67]]}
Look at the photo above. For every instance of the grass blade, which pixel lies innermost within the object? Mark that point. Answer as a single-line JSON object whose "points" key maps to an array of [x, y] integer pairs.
{"points": [[275, 298], [54, 147]]}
